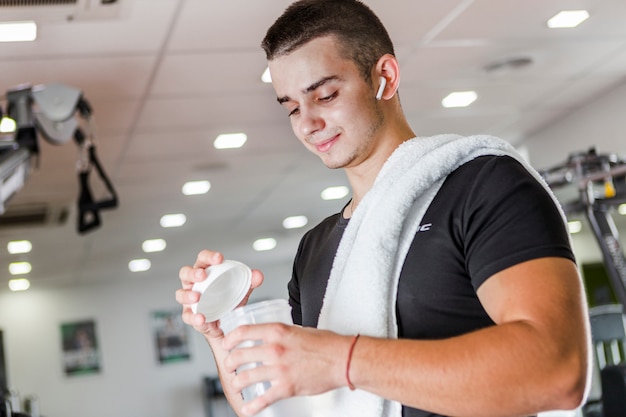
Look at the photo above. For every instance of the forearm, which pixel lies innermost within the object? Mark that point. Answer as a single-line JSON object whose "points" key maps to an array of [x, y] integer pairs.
{"points": [[476, 374], [211, 331], [219, 354]]}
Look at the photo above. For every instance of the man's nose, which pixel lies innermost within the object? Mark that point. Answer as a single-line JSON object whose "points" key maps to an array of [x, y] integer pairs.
{"points": [[310, 121]]}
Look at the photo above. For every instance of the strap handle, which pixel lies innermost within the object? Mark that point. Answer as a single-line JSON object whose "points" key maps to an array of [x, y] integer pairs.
{"points": [[88, 207]]}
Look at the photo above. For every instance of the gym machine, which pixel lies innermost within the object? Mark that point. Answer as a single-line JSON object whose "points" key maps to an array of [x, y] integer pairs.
{"points": [[600, 182], [600, 187], [58, 114]]}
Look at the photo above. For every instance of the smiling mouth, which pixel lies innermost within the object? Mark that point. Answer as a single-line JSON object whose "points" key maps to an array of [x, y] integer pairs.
{"points": [[327, 144]]}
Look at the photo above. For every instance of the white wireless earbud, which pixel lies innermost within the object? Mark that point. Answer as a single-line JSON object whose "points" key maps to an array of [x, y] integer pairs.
{"points": [[381, 88]]}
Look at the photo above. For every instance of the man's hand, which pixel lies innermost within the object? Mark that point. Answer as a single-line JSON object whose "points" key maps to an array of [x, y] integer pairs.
{"points": [[189, 275], [295, 360]]}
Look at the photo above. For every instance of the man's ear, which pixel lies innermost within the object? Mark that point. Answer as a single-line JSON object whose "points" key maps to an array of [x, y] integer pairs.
{"points": [[388, 69]]}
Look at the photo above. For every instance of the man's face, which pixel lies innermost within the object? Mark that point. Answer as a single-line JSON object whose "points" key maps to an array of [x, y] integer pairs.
{"points": [[332, 109]]}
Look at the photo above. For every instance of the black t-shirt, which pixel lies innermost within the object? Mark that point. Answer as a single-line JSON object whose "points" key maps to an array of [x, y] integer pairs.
{"points": [[489, 214]]}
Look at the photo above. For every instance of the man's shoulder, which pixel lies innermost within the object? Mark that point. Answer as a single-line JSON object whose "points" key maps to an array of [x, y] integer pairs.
{"points": [[325, 226], [490, 168]]}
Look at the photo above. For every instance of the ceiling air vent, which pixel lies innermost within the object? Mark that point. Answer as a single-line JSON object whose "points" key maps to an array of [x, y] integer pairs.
{"points": [[43, 11], [33, 215], [25, 3]]}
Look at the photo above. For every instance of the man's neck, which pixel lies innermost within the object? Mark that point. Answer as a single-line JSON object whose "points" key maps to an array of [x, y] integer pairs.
{"points": [[362, 176]]}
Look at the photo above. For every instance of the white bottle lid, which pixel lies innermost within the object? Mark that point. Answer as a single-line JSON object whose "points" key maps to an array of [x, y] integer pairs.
{"points": [[224, 288]]}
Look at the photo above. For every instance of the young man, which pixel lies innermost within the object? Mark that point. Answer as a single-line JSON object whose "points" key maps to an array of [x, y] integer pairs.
{"points": [[452, 260]]}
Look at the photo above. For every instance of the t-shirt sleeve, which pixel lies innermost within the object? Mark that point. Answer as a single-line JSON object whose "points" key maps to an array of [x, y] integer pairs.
{"points": [[510, 217], [293, 289]]}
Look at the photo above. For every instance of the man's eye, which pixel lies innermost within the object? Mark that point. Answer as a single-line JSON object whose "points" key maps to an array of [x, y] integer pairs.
{"points": [[294, 111], [328, 98]]}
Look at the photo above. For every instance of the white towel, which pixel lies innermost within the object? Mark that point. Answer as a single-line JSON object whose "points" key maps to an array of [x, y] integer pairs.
{"points": [[362, 288]]}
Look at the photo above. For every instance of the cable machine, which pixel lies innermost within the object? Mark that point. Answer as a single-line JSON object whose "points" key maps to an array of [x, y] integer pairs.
{"points": [[58, 114], [600, 181]]}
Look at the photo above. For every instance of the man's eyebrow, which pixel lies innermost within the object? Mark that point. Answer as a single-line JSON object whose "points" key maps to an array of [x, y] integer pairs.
{"points": [[310, 88]]}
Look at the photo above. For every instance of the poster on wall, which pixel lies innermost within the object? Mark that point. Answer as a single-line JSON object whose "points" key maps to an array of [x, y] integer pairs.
{"points": [[80, 348], [170, 335]]}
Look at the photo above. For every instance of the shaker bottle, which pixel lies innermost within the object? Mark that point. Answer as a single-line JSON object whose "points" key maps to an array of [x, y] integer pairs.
{"points": [[224, 288], [270, 311]]}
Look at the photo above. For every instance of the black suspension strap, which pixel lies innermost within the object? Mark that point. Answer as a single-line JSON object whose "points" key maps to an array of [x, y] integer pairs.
{"points": [[88, 207]]}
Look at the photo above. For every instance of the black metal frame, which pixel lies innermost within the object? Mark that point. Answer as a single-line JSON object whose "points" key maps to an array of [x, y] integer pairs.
{"points": [[586, 171]]}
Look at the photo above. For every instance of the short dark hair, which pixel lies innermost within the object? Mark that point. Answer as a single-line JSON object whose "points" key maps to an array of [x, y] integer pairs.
{"points": [[361, 35]]}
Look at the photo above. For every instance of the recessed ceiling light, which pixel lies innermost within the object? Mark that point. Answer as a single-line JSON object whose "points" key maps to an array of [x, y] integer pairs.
{"points": [[266, 77], [153, 245], [18, 31], [173, 220], [139, 265], [459, 99], [295, 222], [196, 187], [622, 209], [335, 193], [230, 140], [19, 246], [20, 268], [7, 125], [568, 19], [574, 226], [20, 284], [264, 244]]}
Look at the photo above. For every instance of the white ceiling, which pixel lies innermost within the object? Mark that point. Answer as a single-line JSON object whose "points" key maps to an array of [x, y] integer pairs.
{"points": [[164, 77]]}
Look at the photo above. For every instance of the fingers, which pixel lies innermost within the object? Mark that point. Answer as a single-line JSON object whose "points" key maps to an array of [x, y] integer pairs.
{"points": [[196, 320], [199, 323], [189, 317], [188, 276], [259, 403], [187, 297], [255, 282], [266, 333], [207, 258], [288, 357], [282, 386], [191, 274], [276, 391], [257, 279]]}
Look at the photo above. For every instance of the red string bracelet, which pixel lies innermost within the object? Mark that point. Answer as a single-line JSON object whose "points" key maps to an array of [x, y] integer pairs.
{"points": [[350, 384]]}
